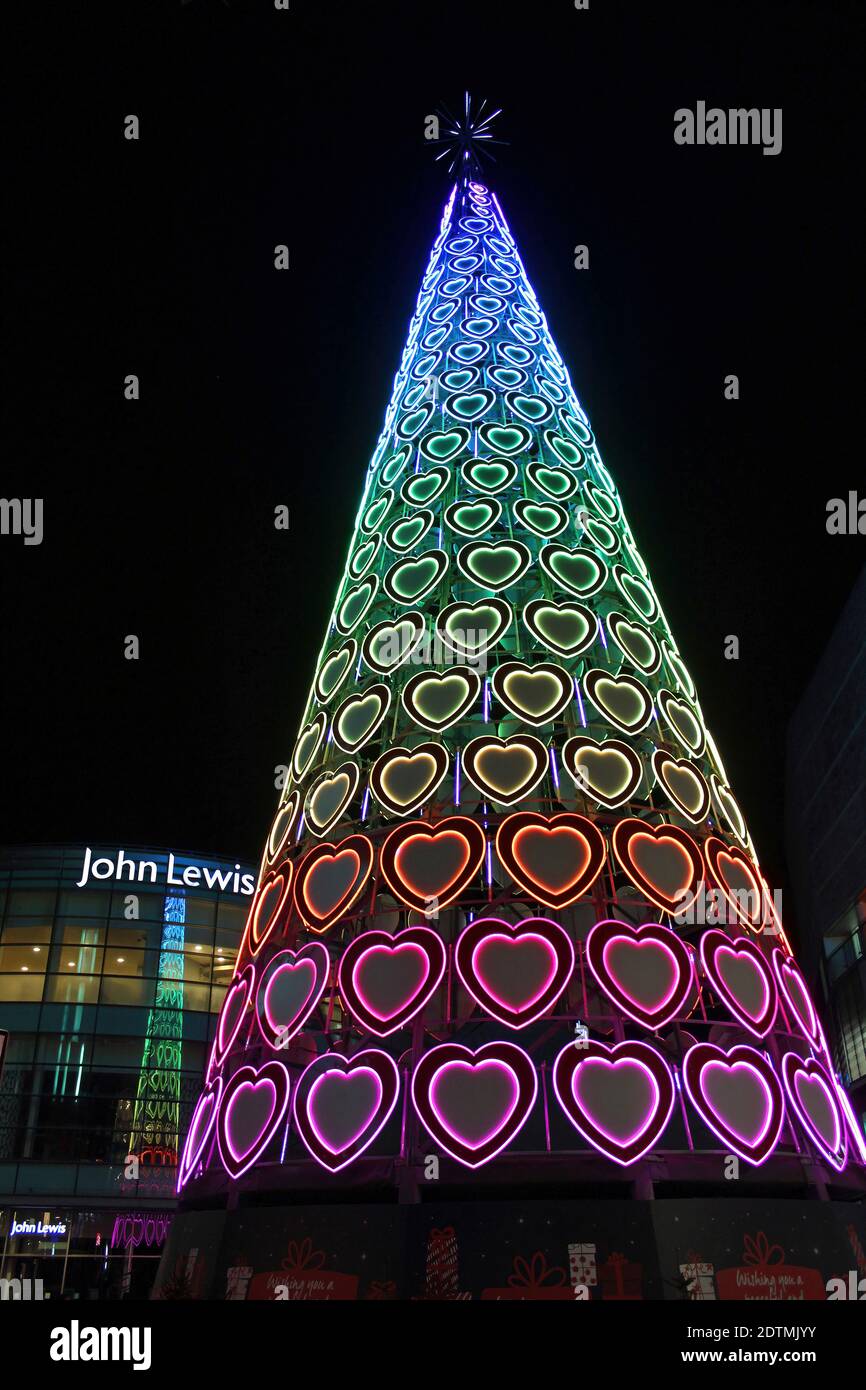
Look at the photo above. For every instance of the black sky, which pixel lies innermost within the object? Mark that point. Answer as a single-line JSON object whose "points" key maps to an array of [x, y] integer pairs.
{"points": [[306, 127]]}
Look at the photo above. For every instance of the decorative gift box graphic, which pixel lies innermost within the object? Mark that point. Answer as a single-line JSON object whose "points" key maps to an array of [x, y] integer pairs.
{"points": [[581, 1265], [621, 1279], [764, 1275], [302, 1276], [533, 1279], [699, 1278]]}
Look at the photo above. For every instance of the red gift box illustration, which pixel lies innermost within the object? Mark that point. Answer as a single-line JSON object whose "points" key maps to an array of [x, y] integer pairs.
{"points": [[301, 1277], [621, 1278], [764, 1275], [698, 1275], [533, 1279]]}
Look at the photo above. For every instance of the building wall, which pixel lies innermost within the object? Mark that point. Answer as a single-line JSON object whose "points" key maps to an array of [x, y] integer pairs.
{"points": [[826, 836], [109, 992]]}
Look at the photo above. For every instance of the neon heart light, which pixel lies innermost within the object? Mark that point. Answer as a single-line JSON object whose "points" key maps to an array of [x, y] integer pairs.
{"points": [[814, 1102], [342, 1103], [505, 769], [796, 995], [684, 783], [270, 900], [386, 980], [738, 1095], [554, 859], [474, 1103], [619, 1096], [609, 772], [421, 862], [253, 1106], [402, 779], [290, 987], [200, 1129], [330, 879], [515, 970], [661, 860], [232, 1013], [647, 971], [740, 974], [737, 877]]}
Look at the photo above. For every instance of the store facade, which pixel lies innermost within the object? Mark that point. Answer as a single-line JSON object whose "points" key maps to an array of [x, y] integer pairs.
{"points": [[113, 967]]}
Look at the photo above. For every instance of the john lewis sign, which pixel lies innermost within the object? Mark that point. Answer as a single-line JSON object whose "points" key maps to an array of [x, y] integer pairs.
{"points": [[131, 868]]}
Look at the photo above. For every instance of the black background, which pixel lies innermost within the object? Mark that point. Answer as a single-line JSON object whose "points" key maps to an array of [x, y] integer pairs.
{"points": [[156, 257]]}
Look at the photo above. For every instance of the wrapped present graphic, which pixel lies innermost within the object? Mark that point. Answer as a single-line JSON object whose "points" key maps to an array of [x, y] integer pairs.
{"points": [[765, 1275], [699, 1278], [302, 1277], [533, 1279], [237, 1281], [582, 1267], [621, 1278]]}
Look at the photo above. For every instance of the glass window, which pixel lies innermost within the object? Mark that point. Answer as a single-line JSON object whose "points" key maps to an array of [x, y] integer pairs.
{"points": [[119, 990], [76, 959], [196, 998], [15, 932], [79, 902], [29, 959], [25, 903], [72, 988], [121, 960], [80, 931], [22, 988]]}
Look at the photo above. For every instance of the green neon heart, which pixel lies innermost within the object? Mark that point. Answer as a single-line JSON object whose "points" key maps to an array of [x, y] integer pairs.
{"points": [[564, 449], [634, 640], [404, 534], [471, 518], [373, 515], [486, 622], [601, 534], [395, 464], [363, 556], [413, 422], [602, 501], [355, 605], [624, 701], [490, 476], [543, 521], [554, 481], [683, 679], [443, 445], [565, 628], [408, 580], [333, 670], [395, 639], [532, 408], [579, 570], [638, 594], [495, 565], [358, 717], [424, 487], [470, 406], [455, 381], [506, 439]]}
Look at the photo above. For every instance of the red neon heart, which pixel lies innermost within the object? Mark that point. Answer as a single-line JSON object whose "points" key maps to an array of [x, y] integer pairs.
{"points": [[813, 1098], [232, 1013], [474, 1103], [330, 879], [662, 861], [738, 1095], [738, 879], [514, 970], [423, 863], [741, 976], [253, 1106], [619, 1096], [342, 1103], [554, 859], [268, 907], [290, 987], [386, 980], [646, 971]]}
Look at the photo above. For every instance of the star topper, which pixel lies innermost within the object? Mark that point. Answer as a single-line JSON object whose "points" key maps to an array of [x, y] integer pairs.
{"points": [[465, 139]]}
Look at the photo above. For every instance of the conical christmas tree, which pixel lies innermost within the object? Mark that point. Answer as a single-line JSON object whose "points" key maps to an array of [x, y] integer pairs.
{"points": [[509, 913]]}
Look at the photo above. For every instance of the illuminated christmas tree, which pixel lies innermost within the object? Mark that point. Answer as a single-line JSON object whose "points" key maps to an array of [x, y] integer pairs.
{"points": [[509, 912]]}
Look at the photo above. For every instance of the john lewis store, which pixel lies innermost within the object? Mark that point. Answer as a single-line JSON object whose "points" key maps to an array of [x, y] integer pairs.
{"points": [[113, 967]]}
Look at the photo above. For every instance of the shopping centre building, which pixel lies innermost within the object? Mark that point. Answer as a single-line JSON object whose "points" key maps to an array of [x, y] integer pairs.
{"points": [[113, 966]]}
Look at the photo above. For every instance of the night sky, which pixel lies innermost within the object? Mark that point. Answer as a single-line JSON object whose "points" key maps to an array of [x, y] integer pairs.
{"points": [[259, 388]]}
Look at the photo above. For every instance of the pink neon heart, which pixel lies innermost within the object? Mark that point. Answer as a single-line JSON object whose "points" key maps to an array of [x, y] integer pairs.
{"points": [[232, 1012], [661, 978], [341, 1105], [595, 1084], [515, 970], [292, 991], [474, 1100], [249, 1112], [736, 1086], [392, 989]]}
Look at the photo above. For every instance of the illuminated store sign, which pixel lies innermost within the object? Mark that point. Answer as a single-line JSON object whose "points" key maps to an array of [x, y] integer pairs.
{"points": [[38, 1228], [122, 866]]}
